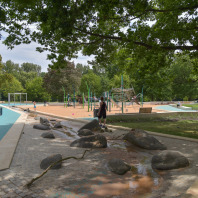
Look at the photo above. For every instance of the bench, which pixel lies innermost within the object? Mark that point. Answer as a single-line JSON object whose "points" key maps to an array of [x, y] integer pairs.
{"points": [[145, 110]]}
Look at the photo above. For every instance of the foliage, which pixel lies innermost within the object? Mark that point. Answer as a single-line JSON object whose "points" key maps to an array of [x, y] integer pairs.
{"points": [[36, 91], [4, 76], [13, 86], [68, 77], [94, 83], [150, 30], [184, 80]]}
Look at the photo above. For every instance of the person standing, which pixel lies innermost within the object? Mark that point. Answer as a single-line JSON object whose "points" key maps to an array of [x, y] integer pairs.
{"points": [[102, 112], [34, 105]]}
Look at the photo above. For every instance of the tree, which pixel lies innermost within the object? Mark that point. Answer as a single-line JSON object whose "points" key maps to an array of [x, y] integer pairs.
{"points": [[184, 80], [30, 67], [36, 91], [145, 28], [13, 86], [4, 76], [94, 83], [67, 77]]}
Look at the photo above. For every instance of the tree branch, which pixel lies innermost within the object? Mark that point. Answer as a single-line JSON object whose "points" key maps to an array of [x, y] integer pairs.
{"points": [[46, 170]]}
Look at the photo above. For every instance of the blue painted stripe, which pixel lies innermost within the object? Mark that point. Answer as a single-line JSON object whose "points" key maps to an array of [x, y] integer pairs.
{"points": [[7, 119]]}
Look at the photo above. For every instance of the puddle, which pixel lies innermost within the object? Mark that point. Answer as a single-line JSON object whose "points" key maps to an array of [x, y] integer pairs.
{"points": [[138, 183]]}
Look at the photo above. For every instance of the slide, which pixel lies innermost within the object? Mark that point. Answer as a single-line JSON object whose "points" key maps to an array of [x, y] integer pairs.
{"points": [[115, 103]]}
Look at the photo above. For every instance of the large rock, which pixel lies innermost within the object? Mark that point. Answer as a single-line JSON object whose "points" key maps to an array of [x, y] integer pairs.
{"points": [[48, 135], [93, 126], [85, 132], [93, 141], [167, 160], [118, 166], [45, 163], [144, 140], [41, 127], [58, 125], [44, 121]]}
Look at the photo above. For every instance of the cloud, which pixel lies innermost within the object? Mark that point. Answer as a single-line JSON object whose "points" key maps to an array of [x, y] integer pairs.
{"points": [[27, 53]]}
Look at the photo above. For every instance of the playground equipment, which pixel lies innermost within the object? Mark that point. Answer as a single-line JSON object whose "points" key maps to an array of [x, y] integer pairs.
{"points": [[16, 94], [124, 95]]}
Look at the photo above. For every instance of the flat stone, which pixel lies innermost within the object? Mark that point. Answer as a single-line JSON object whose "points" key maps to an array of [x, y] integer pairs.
{"points": [[93, 126], [93, 141], [85, 132], [142, 139], [118, 166], [45, 163], [41, 127], [48, 135], [167, 160]]}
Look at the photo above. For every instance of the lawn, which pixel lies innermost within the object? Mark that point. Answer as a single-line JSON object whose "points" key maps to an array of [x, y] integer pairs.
{"points": [[185, 124], [194, 106]]}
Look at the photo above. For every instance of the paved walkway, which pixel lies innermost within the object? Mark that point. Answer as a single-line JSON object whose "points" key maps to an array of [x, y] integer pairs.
{"points": [[90, 177]]}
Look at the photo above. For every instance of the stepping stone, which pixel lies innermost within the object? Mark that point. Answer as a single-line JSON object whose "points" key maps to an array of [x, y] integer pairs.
{"points": [[58, 125], [93, 141], [45, 163], [167, 160], [142, 139], [44, 121], [85, 132], [118, 166], [93, 126], [41, 127], [48, 135]]}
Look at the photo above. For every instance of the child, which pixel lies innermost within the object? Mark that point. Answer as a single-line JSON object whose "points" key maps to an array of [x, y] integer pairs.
{"points": [[34, 105], [102, 112]]}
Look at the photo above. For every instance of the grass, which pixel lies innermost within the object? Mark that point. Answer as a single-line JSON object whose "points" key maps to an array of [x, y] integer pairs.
{"points": [[194, 106], [185, 125]]}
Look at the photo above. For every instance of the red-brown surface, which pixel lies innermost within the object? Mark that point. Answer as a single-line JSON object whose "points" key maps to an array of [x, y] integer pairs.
{"points": [[79, 112]]}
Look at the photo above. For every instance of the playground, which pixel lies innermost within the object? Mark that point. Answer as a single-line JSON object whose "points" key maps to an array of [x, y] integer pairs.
{"points": [[80, 112]]}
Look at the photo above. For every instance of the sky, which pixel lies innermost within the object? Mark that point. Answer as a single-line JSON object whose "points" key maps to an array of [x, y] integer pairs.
{"points": [[27, 53]]}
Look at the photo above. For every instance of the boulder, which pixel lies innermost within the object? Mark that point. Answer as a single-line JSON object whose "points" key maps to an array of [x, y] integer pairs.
{"points": [[41, 127], [142, 139], [93, 141], [118, 166], [45, 163], [85, 132], [93, 126], [44, 121], [167, 160], [48, 135], [58, 125]]}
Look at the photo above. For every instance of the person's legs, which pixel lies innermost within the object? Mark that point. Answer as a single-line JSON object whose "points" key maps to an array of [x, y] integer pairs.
{"points": [[99, 118]]}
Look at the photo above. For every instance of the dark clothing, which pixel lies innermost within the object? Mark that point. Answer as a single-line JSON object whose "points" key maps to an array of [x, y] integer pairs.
{"points": [[102, 111]]}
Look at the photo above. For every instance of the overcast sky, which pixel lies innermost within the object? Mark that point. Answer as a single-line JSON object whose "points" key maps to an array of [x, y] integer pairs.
{"points": [[27, 53]]}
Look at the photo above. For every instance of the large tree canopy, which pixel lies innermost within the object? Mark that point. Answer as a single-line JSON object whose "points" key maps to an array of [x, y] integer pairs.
{"points": [[142, 27]]}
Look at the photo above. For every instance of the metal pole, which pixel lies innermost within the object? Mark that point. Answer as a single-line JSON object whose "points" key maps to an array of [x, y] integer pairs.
{"points": [[122, 91], [83, 101], [91, 100], [142, 95], [14, 98], [94, 100], [26, 98], [107, 100], [20, 98], [74, 97]]}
